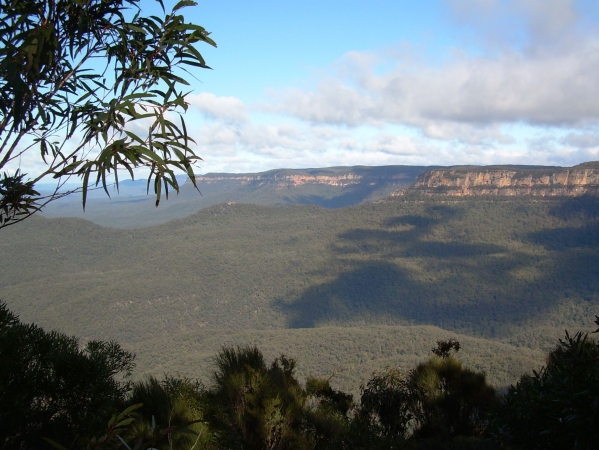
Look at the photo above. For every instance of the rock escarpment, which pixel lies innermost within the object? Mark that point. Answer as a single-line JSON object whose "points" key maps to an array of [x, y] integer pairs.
{"points": [[397, 176], [508, 181], [287, 180]]}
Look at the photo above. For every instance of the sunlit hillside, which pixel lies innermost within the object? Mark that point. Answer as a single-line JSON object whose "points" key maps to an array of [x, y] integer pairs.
{"points": [[344, 290]]}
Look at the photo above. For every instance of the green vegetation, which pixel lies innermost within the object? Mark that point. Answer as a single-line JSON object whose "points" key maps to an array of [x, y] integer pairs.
{"points": [[353, 289], [587, 165], [433, 404], [253, 406], [347, 290], [54, 390], [51, 386], [266, 188], [558, 406], [171, 414], [76, 78]]}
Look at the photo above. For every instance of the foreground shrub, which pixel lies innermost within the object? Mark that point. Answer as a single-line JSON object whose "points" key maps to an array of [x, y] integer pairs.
{"points": [[558, 406], [51, 386], [439, 404]]}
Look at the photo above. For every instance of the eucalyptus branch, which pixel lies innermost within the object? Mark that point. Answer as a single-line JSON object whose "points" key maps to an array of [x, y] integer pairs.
{"points": [[15, 142], [145, 56]]}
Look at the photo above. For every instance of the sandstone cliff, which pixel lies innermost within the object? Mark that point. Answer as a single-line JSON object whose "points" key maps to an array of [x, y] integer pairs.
{"points": [[334, 176], [508, 181], [286, 180]]}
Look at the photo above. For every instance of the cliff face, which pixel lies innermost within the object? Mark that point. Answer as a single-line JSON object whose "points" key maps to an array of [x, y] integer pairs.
{"points": [[540, 182], [339, 177], [286, 180]]}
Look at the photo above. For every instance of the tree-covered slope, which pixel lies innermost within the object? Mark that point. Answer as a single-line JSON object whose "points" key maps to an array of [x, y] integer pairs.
{"points": [[515, 271]]}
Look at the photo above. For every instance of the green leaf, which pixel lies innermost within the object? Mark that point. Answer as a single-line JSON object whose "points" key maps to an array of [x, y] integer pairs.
{"points": [[135, 137], [130, 26], [49, 88], [157, 189], [84, 188], [125, 422], [183, 4], [129, 410], [138, 96], [54, 444]]}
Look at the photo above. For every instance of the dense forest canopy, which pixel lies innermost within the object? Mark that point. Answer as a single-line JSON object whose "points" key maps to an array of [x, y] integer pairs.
{"points": [[355, 274], [56, 391], [507, 274]]}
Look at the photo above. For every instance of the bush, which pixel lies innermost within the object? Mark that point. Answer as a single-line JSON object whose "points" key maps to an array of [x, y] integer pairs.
{"points": [[51, 386], [558, 406]]}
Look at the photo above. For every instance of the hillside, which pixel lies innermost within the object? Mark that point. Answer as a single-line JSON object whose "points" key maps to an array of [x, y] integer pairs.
{"points": [[344, 290], [333, 187]]}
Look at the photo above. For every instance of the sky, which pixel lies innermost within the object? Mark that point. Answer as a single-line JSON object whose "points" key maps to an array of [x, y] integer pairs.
{"points": [[412, 82], [427, 82]]}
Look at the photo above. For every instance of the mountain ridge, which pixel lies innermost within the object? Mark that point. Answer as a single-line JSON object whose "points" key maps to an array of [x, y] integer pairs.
{"points": [[332, 187], [508, 181], [328, 187]]}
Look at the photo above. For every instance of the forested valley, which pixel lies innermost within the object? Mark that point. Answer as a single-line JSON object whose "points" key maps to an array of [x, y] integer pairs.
{"points": [[346, 307], [353, 298]]}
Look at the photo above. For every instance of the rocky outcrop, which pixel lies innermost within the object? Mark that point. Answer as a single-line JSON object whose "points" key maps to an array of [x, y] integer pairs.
{"points": [[287, 180], [339, 177], [507, 181]]}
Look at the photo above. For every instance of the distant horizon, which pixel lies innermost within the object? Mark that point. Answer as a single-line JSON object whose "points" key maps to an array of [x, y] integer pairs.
{"points": [[325, 84], [182, 177]]}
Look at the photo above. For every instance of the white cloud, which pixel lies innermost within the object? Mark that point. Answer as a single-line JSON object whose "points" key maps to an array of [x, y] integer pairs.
{"points": [[394, 145], [568, 156], [581, 140], [227, 109], [219, 134], [558, 89], [332, 103], [258, 147], [548, 19]]}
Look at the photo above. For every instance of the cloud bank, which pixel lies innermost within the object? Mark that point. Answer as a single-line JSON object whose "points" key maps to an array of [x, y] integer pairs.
{"points": [[466, 98]]}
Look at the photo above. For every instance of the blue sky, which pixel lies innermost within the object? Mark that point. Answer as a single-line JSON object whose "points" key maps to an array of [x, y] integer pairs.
{"points": [[322, 83], [417, 82]]}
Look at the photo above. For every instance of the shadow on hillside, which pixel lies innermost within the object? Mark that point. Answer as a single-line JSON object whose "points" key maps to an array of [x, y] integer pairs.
{"points": [[578, 245], [585, 206], [583, 233], [402, 274]]}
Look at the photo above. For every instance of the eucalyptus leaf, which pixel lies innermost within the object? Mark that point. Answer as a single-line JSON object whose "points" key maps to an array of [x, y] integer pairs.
{"points": [[57, 90]]}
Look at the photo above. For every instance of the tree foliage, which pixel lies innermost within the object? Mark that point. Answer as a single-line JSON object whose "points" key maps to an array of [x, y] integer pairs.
{"points": [[444, 348], [51, 386], [93, 87], [438, 401], [454, 400], [58, 389], [172, 415], [558, 406], [389, 406], [255, 406], [327, 415]]}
